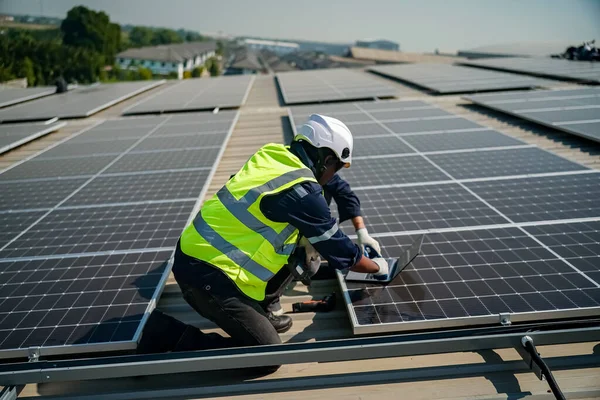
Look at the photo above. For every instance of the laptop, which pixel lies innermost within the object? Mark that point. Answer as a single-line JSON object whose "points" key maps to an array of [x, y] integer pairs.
{"points": [[396, 265]]}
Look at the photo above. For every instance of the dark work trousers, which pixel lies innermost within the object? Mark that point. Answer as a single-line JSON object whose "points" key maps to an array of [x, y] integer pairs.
{"points": [[214, 296]]}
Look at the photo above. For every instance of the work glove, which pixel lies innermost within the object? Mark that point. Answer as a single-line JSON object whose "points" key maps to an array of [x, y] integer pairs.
{"points": [[383, 272], [313, 258], [364, 239]]}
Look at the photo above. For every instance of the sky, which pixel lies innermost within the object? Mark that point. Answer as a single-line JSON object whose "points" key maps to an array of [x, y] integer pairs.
{"points": [[418, 25]]}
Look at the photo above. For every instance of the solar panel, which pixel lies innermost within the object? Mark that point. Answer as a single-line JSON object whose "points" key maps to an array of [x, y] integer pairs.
{"points": [[334, 84], [476, 194], [472, 277], [12, 136], [99, 229], [543, 198], [196, 95], [77, 103], [573, 111], [94, 302], [10, 96], [413, 208], [460, 140], [446, 78], [578, 243], [548, 67], [482, 164], [391, 170], [84, 249]]}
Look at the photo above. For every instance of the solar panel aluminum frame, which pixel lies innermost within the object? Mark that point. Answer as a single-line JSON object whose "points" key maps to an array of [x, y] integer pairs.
{"points": [[51, 128], [459, 322], [564, 128], [27, 98], [122, 345], [400, 345]]}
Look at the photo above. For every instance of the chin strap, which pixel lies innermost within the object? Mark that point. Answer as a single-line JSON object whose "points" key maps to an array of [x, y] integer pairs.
{"points": [[299, 151]]}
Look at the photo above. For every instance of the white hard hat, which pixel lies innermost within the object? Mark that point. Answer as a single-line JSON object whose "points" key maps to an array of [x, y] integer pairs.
{"points": [[327, 132]]}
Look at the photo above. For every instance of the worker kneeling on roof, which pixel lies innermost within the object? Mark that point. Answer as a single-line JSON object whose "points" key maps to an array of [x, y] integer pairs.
{"points": [[232, 262]]}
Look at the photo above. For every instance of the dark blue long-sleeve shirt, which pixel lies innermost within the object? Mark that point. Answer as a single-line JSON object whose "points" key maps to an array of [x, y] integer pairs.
{"points": [[307, 209]]}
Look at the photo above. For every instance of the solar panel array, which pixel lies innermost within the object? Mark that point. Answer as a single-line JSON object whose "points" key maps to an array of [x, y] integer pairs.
{"points": [[76, 103], [12, 136], [575, 111], [10, 96], [90, 224], [552, 68], [324, 85], [446, 78], [196, 95], [512, 231]]}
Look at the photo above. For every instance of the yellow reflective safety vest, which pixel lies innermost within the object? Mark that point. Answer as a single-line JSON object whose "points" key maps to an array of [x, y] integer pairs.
{"points": [[231, 233]]}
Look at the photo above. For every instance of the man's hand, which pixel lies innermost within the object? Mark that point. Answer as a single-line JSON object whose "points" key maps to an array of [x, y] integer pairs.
{"points": [[383, 272], [313, 259], [365, 239]]}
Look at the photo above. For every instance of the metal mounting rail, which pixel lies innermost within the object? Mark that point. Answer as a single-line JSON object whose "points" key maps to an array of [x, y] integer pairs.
{"points": [[326, 351]]}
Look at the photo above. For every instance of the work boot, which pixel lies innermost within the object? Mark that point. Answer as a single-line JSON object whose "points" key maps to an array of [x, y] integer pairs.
{"points": [[275, 308], [281, 323]]}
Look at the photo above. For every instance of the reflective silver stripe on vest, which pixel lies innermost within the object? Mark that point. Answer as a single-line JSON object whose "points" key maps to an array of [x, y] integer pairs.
{"points": [[239, 209], [235, 254], [325, 236]]}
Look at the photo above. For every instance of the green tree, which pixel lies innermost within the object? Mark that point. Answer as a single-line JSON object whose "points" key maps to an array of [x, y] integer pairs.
{"points": [[165, 36], [91, 30], [26, 71], [212, 65], [144, 74], [219, 50], [197, 72], [141, 36]]}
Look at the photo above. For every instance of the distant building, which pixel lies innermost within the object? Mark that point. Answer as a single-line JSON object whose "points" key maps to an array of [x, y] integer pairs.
{"points": [[378, 44], [165, 59], [276, 47], [6, 18], [244, 61]]}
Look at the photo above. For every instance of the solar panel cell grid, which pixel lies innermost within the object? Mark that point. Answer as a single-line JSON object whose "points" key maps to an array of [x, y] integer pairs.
{"points": [[445, 78], [544, 198], [90, 299], [181, 142], [69, 149], [432, 125], [196, 94], [472, 273], [423, 207], [460, 140], [502, 163], [391, 170], [36, 194], [68, 231], [142, 187], [14, 223], [35, 169], [169, 159], [381, 146], [330, 84], [573, 111], [77, 103]]}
